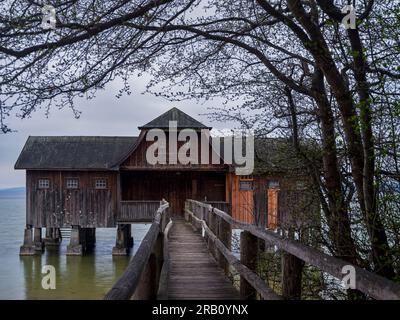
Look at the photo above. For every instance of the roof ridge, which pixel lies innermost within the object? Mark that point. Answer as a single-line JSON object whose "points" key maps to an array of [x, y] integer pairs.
{"points": [[174, 114]]}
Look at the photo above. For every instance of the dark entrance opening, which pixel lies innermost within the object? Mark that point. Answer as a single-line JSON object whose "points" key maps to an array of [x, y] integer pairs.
{"points": [[174, 186]]}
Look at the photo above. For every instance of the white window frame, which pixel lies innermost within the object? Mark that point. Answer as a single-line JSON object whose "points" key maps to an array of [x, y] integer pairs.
{"points": [[43, 183], [72, 183], [100, 183]]}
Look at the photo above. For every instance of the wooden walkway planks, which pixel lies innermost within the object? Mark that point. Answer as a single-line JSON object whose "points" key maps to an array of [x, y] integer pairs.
{"points": [[194, 273]]}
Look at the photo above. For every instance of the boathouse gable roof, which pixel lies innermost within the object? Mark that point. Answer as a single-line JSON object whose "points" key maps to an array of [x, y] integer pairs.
{"points": [[183, 121], [73, 152]]}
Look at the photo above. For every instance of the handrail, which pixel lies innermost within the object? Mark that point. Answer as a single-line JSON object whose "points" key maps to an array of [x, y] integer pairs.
{"points": [[367, 282], [265, 292], [162, 293], [128, 283], [140, 201]]}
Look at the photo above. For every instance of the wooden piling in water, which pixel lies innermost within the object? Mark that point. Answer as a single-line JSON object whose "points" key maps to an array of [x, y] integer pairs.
{"points": [[37, 240], [75, 247], [53, 237], [124, 240], [27, 248]]}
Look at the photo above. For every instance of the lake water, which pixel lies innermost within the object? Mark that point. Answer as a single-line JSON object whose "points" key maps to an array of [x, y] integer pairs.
{"points": [[86, 277]]}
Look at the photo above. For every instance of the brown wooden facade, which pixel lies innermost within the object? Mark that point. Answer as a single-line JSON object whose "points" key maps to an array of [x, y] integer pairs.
{"points": [[129, 177]]}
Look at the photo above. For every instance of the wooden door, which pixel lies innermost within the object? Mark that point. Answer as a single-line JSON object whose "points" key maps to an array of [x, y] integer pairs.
{"points": [[272, 195]]}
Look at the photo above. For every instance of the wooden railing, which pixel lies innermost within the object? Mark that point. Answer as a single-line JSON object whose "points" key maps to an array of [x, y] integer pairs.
{"points": [[221, 205], [217, 224], [137, 211], [146, 276]]}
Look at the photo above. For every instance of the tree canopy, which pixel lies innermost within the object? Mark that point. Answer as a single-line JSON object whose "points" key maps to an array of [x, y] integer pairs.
{"points": [[289, 68]]}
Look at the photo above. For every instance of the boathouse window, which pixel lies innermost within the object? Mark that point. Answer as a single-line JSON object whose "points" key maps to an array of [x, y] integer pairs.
{"points": [[44, 183], [72, 183], [100, 184], [246, 183]]}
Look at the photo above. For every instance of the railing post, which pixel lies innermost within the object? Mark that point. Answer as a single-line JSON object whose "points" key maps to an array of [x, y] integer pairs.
{"points": [[292, 268], [248, 257], [225, 235], [187, 207], [211, 225]]}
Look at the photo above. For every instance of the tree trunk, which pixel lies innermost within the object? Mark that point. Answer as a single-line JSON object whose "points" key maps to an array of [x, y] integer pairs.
{"points": [[359, 144]]}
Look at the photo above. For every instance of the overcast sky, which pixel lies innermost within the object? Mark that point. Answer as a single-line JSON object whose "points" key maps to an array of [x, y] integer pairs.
{"points": [[104, 115]]}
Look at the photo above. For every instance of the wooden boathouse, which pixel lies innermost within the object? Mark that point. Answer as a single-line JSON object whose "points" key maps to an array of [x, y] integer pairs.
{"points": [[89, 182]]}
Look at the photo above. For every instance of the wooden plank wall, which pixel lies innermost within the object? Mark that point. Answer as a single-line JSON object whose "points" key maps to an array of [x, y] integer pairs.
{"points": [[137, 160], [272, 208], [175, 187], [62, 207], [241, 201]]}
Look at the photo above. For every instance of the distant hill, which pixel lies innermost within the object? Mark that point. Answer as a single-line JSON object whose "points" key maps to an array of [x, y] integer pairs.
{"points": [[12, 191]]}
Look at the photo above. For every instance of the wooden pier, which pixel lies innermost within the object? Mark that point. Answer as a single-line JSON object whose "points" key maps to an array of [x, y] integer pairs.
{"points": [[194, 272], [191, 259]]}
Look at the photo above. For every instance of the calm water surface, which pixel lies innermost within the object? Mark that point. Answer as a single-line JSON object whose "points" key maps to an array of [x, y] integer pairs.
{"points": [[86, 277]]}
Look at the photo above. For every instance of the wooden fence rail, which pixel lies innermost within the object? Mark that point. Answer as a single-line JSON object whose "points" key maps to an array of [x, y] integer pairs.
{"points": [[204, 216], [144, 273]]}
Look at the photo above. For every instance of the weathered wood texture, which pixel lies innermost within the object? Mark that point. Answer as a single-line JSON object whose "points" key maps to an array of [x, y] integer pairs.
{"points": [[292, 268], [250, 276], [140, 279], [163, 285], [174, 186], [137, 211], [367, 282], [194, 273], [137, 159], [248, 256], [221, 205], [284, 205], [59, 207], [241, 201]]}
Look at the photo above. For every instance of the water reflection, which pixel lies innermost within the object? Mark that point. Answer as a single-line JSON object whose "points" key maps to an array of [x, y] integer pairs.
{"points": [[77, 277], [86, 277]]}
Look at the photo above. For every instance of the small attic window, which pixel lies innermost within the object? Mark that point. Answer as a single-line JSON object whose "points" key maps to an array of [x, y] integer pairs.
{"points": [[100, 183], [43, 183], [72, 183]]}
